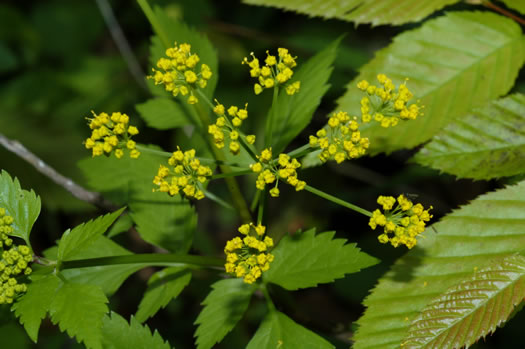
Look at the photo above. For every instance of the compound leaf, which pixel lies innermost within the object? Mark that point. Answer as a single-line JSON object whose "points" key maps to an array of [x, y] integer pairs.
{"points": [[79, 309], [118, 334], [376, 12], [84, 235], [468, 239], [167, 222], [306, 260], [22, 205], [163, 286], [454, 63], [472, 309], [163, 113], [107, 277], [31, 308], [223, 308], [279, 331], [487, 143]]}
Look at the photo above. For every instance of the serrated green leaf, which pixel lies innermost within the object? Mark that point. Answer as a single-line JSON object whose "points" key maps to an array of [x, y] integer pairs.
{"points": [[163, 113], [472, 309], [177, 31], [118, 334], [468, 239], [516, 5], [376, 12], [279, 331], [168, 222], [161, 220], [455, 63], [306, 260], [32, 306], [123, 224], [22, 205], [223, 308], [107, 277], [83, 235], [294, 113], [163, 286], [79, 309], [487, 143]]}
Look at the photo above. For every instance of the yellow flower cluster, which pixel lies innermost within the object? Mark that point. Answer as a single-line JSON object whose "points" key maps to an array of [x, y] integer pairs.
{"points": [[14, 262], [402, 223], [248, 257], [341, 140], [274, 72], [178, 72], [111, 133], [230, 127], [186, 178], [385, 104], [270, 171]]}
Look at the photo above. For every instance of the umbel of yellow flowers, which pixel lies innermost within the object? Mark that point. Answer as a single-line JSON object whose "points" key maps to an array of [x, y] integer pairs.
{"points": [[179, 74], [341, 140], [248, 257], [275, 71], [185, 177], [111, 134], [402, 220], [14, 262], [387, 104], [271, 171], [228, 124]]}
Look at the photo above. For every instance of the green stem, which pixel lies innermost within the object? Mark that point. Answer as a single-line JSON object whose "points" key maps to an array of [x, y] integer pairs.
{"points": [[147, 259], [238, 200], [145, 149], [249, 149], [231, 174], [338, 201], [301, 151], [157, 28], [270, 120], [269, 302], [262, 204], [218, 200]]}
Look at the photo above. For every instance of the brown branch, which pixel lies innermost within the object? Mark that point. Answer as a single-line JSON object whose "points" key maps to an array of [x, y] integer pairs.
{"points": [[503, 12], [68, 184]]}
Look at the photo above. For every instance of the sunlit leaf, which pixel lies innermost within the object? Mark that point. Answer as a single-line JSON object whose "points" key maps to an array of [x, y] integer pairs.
{"points": [[454, 63], [471, 309], [466, 240], [487, 143], [362, 11]]}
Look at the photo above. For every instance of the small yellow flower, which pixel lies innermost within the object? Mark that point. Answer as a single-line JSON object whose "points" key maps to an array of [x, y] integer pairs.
{"points": [[179, 74], [186, 178], [111, 134], [276, 71], [401, 223], [226, 128], [344, 140], [386, 104], [248, 258]]}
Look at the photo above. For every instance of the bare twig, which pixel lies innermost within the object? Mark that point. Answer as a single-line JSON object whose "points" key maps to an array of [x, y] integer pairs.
{"points": [[503, 12], [68, 184], [121, 42]]}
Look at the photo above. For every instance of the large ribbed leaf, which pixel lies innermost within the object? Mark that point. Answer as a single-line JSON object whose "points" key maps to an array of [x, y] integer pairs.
{"points": [[471, 309], [361, 11], [468, 239], [455, 63], [487, 143]]}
